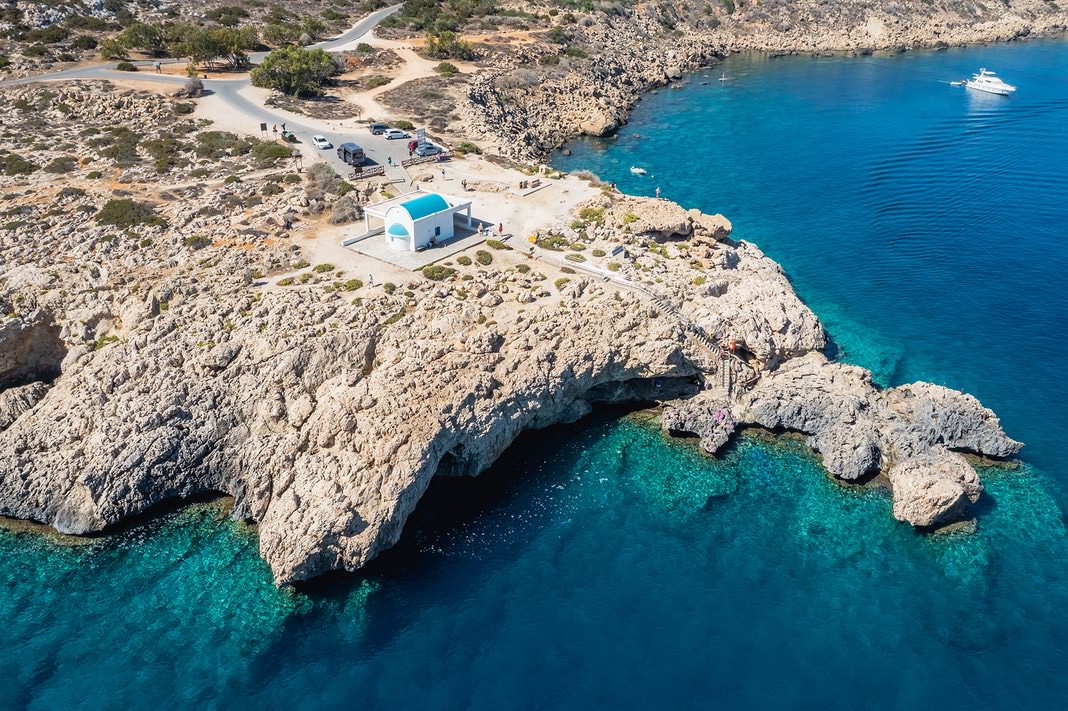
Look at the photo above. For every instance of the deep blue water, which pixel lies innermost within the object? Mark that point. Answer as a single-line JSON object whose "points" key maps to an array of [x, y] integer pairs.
{"points": [[599, 566]]}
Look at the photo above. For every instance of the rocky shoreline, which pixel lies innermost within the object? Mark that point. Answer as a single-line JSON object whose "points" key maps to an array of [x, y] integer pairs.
{"points": [[535, 100], [184, 345]]}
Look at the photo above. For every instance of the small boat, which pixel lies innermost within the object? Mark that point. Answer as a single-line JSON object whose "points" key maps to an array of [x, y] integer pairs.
{"points": [[638, 171], [990, 83], [956, 83]]}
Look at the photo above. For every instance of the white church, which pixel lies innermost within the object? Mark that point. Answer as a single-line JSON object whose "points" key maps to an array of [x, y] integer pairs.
{"points": [[417, 220]]}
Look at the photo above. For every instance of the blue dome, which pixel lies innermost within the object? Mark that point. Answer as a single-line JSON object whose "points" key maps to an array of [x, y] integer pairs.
{"points": [[397, 230], [428, 204]]}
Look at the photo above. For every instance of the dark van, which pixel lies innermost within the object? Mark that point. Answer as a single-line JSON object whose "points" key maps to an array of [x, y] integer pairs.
{"points": [[377, 129], [351, 153]]}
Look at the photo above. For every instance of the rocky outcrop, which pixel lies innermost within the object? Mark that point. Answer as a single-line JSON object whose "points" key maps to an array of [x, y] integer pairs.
{"points": [[859, 430], [933, 488]]}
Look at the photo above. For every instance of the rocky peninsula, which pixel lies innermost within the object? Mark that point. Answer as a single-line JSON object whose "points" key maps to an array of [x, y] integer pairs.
{"points": [[169, 329]]}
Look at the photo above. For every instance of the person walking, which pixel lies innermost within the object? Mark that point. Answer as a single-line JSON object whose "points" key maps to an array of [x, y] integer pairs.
{"points": [[389, 161], [500, 230], [284, 128], [371, 279], [159, 68]]}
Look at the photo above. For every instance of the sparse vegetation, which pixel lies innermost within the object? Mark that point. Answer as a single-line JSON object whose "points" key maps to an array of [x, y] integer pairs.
{"points": [[447, 69], [437, 272], [483, 257], [124, 213]]}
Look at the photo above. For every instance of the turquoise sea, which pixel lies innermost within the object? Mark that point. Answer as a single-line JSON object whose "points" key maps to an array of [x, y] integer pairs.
{"points": [[600, 566]]}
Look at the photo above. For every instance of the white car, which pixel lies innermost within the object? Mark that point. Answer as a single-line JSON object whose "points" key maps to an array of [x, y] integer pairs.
{"points": [[395, 133], [321, 142]]}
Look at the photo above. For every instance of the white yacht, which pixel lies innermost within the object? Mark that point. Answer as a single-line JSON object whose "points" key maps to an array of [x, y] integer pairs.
{"points": [[989, 82]]}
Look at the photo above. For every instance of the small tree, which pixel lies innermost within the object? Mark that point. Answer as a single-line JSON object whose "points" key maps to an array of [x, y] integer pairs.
{"points": [[113, 49], [446, 45], [447, 69], [143, 36], [295, 71]]}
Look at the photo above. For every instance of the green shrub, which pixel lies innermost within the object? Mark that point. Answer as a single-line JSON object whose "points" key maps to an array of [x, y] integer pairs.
{"points": [[126, 67], [61, 165], [104, 341], [377, 80], [523, 268], [197, 242], [699, 281], [574, 257], [629, 218], [389, 287], [267, 154], [323, 268], [561, 283], [568, 270], [614, 266], [394, 318], [496, 244], [14, 164], [302, 264], [447, 69], [463, 261], [592, 214], [483, 257], [577, 246], [405, 125], [125, 212], [288, 281], [436, 272], [351, 285], [94, 175], [598, 253], [468, 147]]}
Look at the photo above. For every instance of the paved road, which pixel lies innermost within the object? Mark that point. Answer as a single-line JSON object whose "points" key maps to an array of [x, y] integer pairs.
{"points": [[230, 92]]}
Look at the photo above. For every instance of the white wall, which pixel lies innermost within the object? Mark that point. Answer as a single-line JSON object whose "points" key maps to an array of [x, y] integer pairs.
{"points": [[424, 229]]}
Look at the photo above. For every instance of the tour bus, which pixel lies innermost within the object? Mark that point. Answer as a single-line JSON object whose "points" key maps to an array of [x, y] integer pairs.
{"points": [[351, 154]]}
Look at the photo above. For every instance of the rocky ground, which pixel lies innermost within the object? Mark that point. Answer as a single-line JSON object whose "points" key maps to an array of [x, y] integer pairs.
{"points": [[170, 328]]}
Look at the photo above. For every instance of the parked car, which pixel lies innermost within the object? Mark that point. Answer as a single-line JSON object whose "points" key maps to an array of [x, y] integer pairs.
{"points": [[396, 133], [377, 129], [351, 154], [321, 142], [428, 149]]}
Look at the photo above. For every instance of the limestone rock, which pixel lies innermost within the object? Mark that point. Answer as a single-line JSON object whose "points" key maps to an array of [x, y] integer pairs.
{"points": [[933, 488]]}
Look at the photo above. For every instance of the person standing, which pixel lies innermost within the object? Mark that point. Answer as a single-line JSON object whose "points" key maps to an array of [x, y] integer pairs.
{"points": [[657, 192], [500, 230], [371, 279]]}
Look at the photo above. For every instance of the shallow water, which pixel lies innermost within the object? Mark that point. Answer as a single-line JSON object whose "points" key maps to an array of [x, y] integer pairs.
{"points": [[598, 565]]}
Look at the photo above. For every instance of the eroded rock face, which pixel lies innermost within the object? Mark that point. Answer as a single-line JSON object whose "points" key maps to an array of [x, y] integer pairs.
{"points": [[858, 430], [933, 488]]}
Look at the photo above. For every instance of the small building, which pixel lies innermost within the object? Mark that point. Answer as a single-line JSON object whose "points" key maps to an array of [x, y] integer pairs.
{"points": [[417, 220]]}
